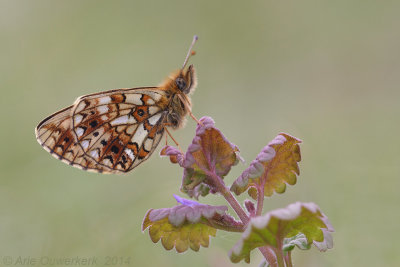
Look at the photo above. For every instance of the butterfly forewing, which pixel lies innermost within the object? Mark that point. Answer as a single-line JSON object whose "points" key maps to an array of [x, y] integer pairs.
{"points": [[112, 131]]}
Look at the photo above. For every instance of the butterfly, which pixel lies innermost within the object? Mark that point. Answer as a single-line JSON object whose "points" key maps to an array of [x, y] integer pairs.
{"points": [[115, 131]]}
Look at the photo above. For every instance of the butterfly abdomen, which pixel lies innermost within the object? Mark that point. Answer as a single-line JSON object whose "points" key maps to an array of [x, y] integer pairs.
{"points": [[176, 117]]}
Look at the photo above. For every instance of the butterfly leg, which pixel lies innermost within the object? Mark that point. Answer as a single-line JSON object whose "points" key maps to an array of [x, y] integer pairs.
{"points": [[185, 101], [173, 139], [194, 118]]}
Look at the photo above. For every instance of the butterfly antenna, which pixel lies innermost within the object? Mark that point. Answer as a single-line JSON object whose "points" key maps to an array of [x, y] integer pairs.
{"points": [[195, 38]]}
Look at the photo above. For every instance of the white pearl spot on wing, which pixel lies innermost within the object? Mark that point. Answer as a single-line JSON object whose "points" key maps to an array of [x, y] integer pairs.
{"points": [[104, 100], [134, 99], [102, 109], [107, 162], [85, 144], [139, 135], [150, 101], [153, 110], [78, 118], [131, 129], [148, 144], [94, 153], [81, 106], [154, 119], [126, 119], [130, 154], [154, 95], [79, 131], [120, 120]]}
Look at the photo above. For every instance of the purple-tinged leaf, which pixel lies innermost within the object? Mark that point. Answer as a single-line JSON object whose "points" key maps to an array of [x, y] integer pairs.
{"points": [[174, 154], [209, 154], [251, 209], [272, 228], [187, 225], [275, 166]]}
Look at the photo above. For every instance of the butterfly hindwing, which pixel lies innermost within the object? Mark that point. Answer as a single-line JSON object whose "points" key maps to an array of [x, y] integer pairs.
{"points": [[54, 129], [109, 132], [55, 135]]}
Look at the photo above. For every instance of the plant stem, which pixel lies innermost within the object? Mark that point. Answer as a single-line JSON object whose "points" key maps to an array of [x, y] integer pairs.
{"points": [[279, 254], [260, 200], [267, 252], [219, 183], [236, 206], [269, 255], [238, 227], [279, 258], [288, 259]]}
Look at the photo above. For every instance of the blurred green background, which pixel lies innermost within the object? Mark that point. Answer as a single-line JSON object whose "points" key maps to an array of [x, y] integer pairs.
{"points": [[327, 72]]}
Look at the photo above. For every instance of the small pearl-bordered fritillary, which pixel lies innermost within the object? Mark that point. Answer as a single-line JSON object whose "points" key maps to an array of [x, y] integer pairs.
{"points": [[114, 131]]}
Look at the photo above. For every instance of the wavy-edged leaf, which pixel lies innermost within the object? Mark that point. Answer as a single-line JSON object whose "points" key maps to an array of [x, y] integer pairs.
{"points": [[209, 153], [327, 243], [298, 240], [271, 229], [274, 167], [189, 225]]}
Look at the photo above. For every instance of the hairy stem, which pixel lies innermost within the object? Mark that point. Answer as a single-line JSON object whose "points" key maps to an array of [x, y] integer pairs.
{"points": [[269, 255], [237, 227], [220, 185], [235, 206], [279, 254], [279, 258], [260, 200], [288, 259]]}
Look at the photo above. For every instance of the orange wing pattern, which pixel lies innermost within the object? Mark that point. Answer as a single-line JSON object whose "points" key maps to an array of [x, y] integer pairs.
{"points": [[110, 132]]}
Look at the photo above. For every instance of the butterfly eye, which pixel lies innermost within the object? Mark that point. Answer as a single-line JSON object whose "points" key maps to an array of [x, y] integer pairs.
{"points": [[180, 82]]}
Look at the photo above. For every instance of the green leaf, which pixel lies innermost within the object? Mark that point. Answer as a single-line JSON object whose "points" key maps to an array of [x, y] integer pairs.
{"points": [[274, 167], [187, 226], [191, 235], [299, 240], [272, 228]]}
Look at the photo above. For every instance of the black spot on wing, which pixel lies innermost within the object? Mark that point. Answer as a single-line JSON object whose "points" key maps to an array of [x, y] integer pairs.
{"points": [[93, 123], [114, 149], [103, 142]]}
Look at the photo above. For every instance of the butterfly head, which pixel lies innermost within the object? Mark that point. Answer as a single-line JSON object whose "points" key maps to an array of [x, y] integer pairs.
{"points": [[186, 80]]}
